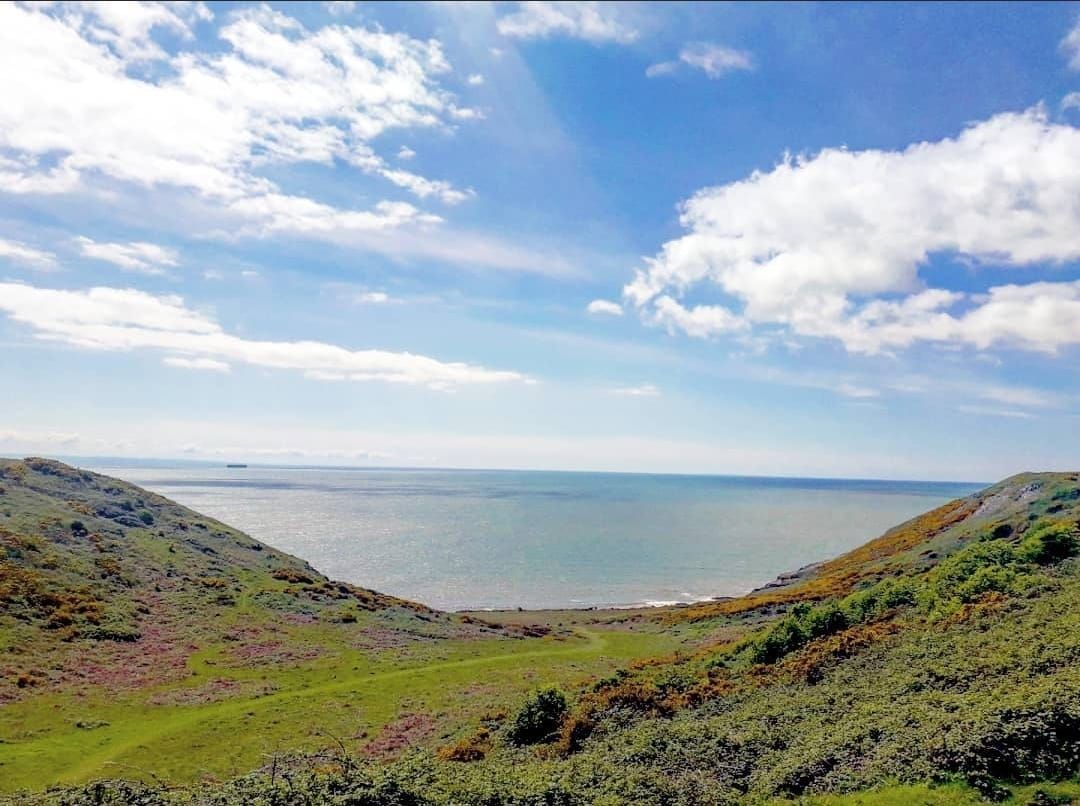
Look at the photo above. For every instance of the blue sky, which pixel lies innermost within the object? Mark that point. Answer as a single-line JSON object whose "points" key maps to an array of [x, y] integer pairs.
{"points": [[833, 239]]}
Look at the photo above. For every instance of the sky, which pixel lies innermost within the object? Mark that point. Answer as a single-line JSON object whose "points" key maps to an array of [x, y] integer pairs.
{"points": [[800, 239]]}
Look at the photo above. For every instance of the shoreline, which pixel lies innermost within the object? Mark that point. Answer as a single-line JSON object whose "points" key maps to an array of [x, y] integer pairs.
{"points": [[780, 581]]}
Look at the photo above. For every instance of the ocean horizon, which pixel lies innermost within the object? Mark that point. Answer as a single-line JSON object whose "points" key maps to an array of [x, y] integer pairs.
{"points": [[502, 539]]}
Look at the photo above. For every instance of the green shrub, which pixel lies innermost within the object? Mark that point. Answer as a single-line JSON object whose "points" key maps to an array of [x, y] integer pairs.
{"points": [[875, 601], [785, 636], [539, 718], [146, 517], [988, 579], [804, 623], [1050, 544], [951, 579], [1017, 746]]}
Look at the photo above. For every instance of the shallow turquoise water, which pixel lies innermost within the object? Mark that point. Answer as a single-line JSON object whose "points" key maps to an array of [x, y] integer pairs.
{"points": [[487, 539]]}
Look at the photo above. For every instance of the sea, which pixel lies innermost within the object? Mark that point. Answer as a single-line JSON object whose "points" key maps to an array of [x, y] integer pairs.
{"points": [[494, 539]]}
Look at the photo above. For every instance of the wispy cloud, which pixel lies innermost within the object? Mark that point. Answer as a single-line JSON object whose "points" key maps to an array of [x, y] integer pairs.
{"points": [[207, 364], [126, 319], [606, 307], [713, 60], [593, 22], [137, 256], [27, 255], [372, 298], [644, 390], [985, 411], [1070, 46]]}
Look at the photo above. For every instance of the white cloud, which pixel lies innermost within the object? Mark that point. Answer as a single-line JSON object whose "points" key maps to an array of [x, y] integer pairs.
{"points": [[603, 306], [209, 364], [209, 120], [644, 390], [340, 8], [1070, 45], [405, 153], [593, 22], [127, 319], [857, 392], [126, 28], [701, 321], [423, 188], [137, 256], [372, 298], [1071, 101], [475, 80], [28, 255], [830, 245], [983, 411], [1018, 396], [712, 59]]}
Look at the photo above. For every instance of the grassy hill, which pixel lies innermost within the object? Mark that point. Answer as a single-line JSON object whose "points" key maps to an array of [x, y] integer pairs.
{"points": [[938, 663], [138, 637]]}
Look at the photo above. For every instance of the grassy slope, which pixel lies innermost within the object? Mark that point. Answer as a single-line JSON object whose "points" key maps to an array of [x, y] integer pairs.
{"points": [[962, 683], [145, 648]]}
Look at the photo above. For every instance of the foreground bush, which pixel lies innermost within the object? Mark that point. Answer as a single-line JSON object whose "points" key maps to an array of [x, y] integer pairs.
{"points": [[539, 718]]}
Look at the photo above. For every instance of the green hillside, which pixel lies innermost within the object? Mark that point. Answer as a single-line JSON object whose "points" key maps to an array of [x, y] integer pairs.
{"points": [[938, 663], [139, 637]]}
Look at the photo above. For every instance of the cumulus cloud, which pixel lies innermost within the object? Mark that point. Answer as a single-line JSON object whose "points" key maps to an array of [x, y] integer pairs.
{"points": [[830, 245], [98, 97], [137, 256], [593, 22], [27, 255], [475, 80], [405, 153], [644, 390], [127, 319], [712, 59], [603, 306]]}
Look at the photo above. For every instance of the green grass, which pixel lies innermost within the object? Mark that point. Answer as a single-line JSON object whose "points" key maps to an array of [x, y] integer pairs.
{"points": [[351, 698]]}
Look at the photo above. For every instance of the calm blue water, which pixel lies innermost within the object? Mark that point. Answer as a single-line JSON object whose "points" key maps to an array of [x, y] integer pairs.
{"points": [[492, 539]]}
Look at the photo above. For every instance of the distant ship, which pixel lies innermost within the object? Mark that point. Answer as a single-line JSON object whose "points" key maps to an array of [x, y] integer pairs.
{"points": [[236, 465]]}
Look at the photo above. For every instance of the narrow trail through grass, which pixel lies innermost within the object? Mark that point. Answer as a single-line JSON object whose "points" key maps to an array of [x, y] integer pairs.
{"points": [[165, 726]]}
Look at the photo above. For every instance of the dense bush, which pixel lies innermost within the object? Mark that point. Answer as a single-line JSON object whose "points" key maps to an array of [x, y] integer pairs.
{"points": [[805, 623], [1017, 746], [539, 718], [1051, 543]]}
